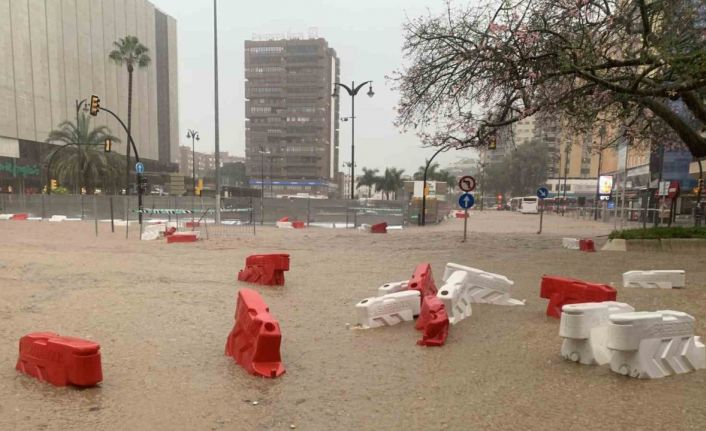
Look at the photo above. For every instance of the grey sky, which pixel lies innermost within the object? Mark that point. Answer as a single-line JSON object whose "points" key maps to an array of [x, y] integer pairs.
{"points": [[366, 34]]}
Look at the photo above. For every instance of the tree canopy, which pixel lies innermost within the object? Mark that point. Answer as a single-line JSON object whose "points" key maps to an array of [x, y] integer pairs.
{"points": [[637, 64], [520, 172]]}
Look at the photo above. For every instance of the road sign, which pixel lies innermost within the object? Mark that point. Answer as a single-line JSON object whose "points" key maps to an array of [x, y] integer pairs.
{"points": [[673, 190], [466, 201], [467, 183], [542, 193], [139, 168]]}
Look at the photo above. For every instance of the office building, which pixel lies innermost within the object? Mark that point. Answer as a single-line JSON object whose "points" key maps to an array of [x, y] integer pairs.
{"points": [[55, 53], [291, 120]]}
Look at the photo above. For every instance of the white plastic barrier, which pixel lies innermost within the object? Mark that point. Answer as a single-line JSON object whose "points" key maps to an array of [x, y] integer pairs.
{"points": [[57, 218], [6, 216], [388, 288], [285, 224], [364, 227], [656, 344], [570, 243], [663, 279], [486, 287], [388, 310], [584, 328], [152, 231], [456, 295]]}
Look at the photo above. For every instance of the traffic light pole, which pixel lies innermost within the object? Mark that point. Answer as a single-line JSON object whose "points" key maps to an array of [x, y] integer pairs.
{"points": [[137, 158]]}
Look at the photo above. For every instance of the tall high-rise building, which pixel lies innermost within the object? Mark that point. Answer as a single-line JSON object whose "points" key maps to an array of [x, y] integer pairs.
{"points": [[55, 53], [291, 120]]}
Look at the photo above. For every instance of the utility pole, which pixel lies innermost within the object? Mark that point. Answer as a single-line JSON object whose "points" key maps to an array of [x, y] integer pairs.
{"points": [[215, 97]]}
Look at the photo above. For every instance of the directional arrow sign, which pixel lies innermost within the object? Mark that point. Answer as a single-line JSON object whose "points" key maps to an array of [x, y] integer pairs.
{"points": [[139, 168], [542, 192], [467, 183], [466, 201]]}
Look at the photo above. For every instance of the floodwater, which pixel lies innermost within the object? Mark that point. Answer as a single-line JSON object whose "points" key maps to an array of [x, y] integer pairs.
{"points": [[162, 314]]}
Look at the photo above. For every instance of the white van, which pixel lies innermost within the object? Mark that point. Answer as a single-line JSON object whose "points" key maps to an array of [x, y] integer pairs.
{"points": [[529, 205]]}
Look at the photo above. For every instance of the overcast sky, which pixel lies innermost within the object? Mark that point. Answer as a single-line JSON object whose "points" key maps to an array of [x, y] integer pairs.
{"points": [[366, 34]]}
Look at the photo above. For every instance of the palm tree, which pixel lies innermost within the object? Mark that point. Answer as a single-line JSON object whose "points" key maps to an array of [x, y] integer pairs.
{"points": [[446, 177], [368, 179], [130, 51], [391, 182], [431, 172], [86, 164]]}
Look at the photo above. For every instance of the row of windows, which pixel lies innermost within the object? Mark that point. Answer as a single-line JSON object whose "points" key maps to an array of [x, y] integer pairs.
{"points": [[302, 48], [265, 69], [265, 89], [303, 89], [264, 49]]}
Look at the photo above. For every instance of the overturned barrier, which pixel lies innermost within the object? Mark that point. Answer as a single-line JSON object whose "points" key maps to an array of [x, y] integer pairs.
{"points": [[654, 344], [584, 329], [21, 216], [266, 269], [254, 342], [486, 287], [422, 280], [59, 360], [433, 322], [662, 279], [570, 243], [457, 296], [388, 310], [587, 245], [393, 287], [562, 290], [183, 237], [6, 216], [58, 218]]}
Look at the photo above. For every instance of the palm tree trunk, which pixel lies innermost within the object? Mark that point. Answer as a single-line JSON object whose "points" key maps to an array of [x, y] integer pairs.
{"points": [[129, 131]]}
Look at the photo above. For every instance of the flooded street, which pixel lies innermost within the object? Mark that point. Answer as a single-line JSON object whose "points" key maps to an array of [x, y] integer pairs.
{"points": [[161, 314]]}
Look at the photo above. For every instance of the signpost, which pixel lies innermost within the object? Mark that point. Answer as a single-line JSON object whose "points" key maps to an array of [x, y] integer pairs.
{"points": [[542, 193], [467, 183], [466, 201], [139, 168]]}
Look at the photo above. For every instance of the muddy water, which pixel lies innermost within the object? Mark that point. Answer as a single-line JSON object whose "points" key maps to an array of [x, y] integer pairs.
{"points": [[162, 313]]}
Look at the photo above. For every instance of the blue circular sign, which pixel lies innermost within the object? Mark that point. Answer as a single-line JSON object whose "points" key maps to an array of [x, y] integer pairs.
{"points": [[466, 201], [542, 193], [139, 168]]}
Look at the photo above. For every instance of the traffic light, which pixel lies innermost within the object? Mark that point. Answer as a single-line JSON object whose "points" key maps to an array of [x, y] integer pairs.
{"points": [[54, 185], [108, 145], [95, 105], [492, 142]]}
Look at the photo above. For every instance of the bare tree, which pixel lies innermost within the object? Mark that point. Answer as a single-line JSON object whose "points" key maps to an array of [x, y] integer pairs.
{"points": [[637, 63]]}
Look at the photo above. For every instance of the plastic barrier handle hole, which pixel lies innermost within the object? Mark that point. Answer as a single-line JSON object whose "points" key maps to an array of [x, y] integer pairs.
{"points": [[364, 301], [269, 326], [444, 292]]}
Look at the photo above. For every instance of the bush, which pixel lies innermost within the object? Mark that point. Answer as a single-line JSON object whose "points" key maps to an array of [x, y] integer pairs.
{"points": [[659, 232]]}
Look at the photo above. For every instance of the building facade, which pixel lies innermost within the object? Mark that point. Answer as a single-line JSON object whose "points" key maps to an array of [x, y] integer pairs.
{"points": [[291, 120], [55, 54]]}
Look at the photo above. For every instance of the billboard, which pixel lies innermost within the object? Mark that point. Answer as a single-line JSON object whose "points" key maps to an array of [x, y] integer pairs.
{"points": [[605, 184]]}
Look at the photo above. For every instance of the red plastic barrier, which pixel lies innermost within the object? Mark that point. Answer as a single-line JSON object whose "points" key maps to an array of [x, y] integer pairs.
{"points": [[60, 360], [461, 214], [192, 224], [561, 291], [379, 228], [22, 216], [170, 231], [284, 219], [422, 280], [298, 225], [182, 237], [587, 245], [255, 339], [434, 321], [267, 269]]}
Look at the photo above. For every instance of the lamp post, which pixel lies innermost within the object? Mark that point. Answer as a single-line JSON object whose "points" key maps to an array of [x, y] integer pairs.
{"points": [[423, 216], [601, 133], [193, 135], [262, 184], [353, 91], [80, 155]]}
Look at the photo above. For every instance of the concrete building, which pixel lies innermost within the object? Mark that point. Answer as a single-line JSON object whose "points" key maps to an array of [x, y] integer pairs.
{"points": [[55, 53], [291, 124]]}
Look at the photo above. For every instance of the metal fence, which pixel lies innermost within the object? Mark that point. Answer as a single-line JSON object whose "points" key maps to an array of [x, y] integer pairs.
{"points": [[243, 211], [630, 217]]}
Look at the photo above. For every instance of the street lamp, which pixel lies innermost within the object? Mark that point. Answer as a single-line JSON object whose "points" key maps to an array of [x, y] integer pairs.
{"points": [[353, 91], [193, 135], [262, 184]]}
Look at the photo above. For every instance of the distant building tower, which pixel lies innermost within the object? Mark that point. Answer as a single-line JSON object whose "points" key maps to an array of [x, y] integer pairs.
{"points": [[291, 120]]}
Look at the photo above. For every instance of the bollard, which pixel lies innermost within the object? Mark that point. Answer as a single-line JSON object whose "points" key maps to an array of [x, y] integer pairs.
{"points": [[112, 217]]}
